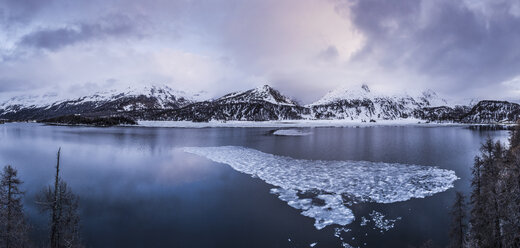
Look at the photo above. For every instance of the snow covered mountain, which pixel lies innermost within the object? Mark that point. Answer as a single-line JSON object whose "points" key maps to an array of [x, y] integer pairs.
{"points": [[364, 103], [486, 111], [131, 101], [259, 94], [492, 111], [258, 104]]}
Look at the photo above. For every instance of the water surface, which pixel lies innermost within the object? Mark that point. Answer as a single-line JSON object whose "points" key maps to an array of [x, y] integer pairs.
{"points": [[138, 190]]}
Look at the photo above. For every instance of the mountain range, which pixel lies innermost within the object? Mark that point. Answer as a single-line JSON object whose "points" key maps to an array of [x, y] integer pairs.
{"points": [[259, 104]]}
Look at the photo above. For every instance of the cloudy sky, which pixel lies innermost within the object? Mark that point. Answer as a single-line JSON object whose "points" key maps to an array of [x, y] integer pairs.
{"points": [[459, 48]]}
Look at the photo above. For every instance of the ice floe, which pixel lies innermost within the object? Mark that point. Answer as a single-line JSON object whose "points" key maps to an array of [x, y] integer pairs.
{"points": [[291, 132], [364, 221], [339, 230], [382, 223], [332, 180], [332, 211]]}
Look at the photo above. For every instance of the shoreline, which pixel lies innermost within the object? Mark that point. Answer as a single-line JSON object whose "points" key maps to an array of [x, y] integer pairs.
{"points": [[286, 124], [307, 124]]}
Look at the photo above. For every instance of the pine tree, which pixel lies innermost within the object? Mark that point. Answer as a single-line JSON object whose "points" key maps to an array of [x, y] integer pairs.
{"points": [[514, 139], [510, 194], [458, 227], [478, 220], [495, 199], [484, 213], [13, 228]]}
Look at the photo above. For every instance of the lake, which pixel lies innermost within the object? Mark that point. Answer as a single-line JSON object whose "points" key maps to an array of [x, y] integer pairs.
{"points": [[137, 187]]}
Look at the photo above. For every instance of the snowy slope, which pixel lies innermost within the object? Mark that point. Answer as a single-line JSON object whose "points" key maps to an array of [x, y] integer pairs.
{"points": [[492, 111], [107, 102], [364, 103], [427, 98], [159, 102], [263, 93], [164, 94], [259, 104], [162, 97]]}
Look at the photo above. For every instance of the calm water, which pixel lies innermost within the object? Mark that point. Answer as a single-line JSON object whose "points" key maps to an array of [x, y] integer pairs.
{"points": [[137, 190]]}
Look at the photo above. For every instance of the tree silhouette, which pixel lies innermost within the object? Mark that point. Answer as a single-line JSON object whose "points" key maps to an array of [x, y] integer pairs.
{"points": [[458, 226], [62, 204], [13, 228]]}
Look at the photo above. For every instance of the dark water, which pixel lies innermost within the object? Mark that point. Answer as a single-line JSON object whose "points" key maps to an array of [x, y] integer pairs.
{"points": [[136, 190]]}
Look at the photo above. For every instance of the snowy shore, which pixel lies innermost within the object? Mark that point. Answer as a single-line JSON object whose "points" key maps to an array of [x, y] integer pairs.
{"points": [[300, 123]]}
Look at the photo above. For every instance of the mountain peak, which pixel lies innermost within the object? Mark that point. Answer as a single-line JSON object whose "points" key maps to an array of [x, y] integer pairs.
{"points": [[265, 87], [346, 93], [365, 87], [431, 99], [261, 93]]}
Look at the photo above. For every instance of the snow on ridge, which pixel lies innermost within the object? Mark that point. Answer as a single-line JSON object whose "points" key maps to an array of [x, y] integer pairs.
{"points": [[428, 98], [357, 180], [262, 93], [346, 93], [29, 100], [432, 99], [163, 93]]}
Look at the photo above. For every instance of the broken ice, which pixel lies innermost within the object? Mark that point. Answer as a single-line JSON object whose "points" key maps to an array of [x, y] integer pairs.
{"points": [[381, 223], [360, 180], [333, 211]]}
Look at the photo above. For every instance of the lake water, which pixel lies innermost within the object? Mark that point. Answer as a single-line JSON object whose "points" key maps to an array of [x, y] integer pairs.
{"points": [[137, 189]]}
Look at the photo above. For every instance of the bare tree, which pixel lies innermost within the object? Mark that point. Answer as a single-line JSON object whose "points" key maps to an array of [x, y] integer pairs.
{"points": [[13, 228], [62, 204]]}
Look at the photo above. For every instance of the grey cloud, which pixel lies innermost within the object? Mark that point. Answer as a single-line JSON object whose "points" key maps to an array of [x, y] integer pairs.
{"points": [[53, 39], [329, 54], [13, 84], [449, 41], [16, 11]]}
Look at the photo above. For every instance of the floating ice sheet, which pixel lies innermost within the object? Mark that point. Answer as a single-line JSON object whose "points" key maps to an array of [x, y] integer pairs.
{"points": [[360, 180], [291, 132], [368, 181]]}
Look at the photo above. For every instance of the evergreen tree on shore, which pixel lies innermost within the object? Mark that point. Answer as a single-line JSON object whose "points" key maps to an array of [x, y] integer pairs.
{"points": [[13, 228], [495, 197], [511, 192], [458, 226]]}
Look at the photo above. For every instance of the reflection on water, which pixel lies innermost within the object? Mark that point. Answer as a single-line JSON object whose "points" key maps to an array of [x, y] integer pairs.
{"points": [[137, 190]]}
